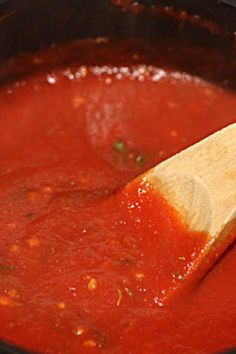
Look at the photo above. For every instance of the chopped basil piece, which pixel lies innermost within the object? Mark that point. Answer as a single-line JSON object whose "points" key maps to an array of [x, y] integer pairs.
{"points": [[129, 154], [119, 146]]}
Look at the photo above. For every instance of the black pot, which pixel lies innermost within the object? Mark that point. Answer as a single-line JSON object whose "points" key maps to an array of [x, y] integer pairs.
{"points": [[27, 25]]}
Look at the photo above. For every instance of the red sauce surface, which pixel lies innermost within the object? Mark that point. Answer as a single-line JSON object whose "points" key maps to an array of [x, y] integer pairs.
{"points": [[83, 265]]}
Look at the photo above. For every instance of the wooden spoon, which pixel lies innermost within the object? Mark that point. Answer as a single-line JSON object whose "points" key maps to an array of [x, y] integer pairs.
{"points": [[200, 183]]}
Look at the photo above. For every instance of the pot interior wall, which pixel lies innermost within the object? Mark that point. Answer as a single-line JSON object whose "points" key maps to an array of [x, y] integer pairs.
{"points": [[27, 26]]}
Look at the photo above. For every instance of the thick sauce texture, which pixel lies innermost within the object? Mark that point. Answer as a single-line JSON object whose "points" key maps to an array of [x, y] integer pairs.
{"points": [[84, 265]]}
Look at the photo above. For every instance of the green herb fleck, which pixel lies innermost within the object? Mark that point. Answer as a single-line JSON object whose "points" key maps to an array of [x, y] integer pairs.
{"points": [[119, 146]]}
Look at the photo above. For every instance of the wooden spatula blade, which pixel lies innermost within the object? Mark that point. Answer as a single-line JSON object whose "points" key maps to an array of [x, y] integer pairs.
{"points": [[200, 182], [199, 185]]}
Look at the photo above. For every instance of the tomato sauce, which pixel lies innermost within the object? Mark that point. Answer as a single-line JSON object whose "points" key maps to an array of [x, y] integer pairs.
{"points": [[84, 264]]}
